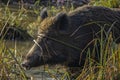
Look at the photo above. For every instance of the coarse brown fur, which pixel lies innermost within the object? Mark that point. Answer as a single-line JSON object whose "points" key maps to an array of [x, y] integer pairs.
{"points": [[65, 38]]}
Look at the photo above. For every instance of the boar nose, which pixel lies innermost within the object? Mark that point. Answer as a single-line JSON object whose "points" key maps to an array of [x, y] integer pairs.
{"points": [[25, 65]]}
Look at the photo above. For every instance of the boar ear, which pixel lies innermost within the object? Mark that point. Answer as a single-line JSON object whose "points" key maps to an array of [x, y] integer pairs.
{"points": [[43, 13], [62, 22]]}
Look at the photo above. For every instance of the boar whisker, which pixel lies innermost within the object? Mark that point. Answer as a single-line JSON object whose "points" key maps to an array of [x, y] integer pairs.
{"points": [[54, 51], [83, 35], [41, 54], [87, 24], [64, 43], [46, 48]]}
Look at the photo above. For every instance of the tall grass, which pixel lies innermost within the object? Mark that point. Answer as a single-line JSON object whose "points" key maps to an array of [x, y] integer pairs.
{"points": [[10, 69], [10, 66], [106, 3], [107, 68]]}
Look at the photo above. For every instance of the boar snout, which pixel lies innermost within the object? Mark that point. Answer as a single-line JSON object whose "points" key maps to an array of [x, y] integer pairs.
{"points": [[25, 65], [32, 60]]}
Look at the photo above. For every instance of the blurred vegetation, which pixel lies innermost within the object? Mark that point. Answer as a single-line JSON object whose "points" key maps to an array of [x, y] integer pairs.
{"points": [[29, 19], [106, 3]]}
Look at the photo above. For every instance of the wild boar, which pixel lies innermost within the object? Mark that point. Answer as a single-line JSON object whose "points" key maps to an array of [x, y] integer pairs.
{"points": [[65, 38]]}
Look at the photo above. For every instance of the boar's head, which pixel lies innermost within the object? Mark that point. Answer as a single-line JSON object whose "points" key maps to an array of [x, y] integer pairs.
{"points": [[48, 48]]}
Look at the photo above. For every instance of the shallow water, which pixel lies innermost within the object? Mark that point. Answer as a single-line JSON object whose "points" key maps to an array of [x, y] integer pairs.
{"points": [[38, 73]]}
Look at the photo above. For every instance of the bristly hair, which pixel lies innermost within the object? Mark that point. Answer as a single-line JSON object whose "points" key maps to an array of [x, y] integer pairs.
{"points": [[45, 24]]}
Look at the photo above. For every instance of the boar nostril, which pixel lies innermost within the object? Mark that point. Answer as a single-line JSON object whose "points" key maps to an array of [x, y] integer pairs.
{"points": [[25, 66]]}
